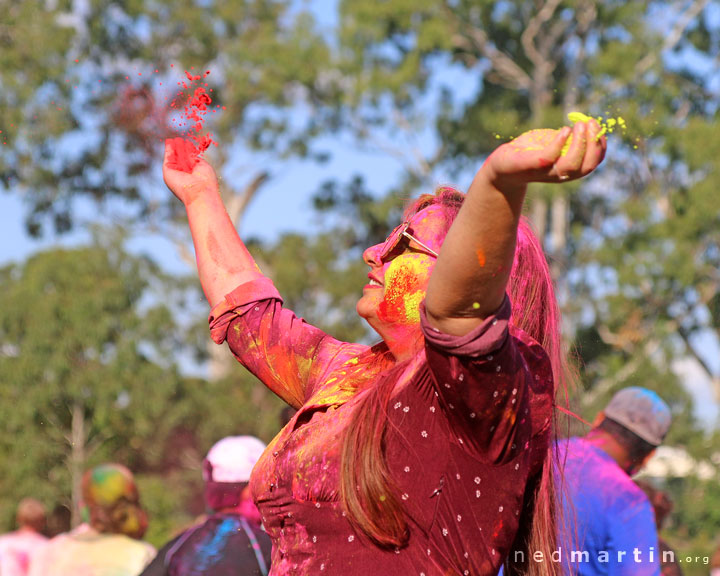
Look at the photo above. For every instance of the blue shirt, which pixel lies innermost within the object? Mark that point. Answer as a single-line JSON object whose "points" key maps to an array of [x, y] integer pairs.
{"points": [[612, 518]]}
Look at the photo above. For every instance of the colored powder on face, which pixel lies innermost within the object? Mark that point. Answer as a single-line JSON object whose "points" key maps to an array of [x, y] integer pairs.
{"points": [[412, 306], [405, 280], [480, 257]]}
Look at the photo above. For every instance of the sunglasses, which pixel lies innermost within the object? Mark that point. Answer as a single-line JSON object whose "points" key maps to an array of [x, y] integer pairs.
{"points": [[395, 245]]}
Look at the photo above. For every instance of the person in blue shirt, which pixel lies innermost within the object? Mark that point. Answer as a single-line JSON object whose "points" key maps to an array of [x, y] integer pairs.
{"points": [[609, 524]]}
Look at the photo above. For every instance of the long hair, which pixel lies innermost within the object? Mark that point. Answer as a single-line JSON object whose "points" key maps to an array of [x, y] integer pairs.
{"points": [[535, 311], [367, 489]]}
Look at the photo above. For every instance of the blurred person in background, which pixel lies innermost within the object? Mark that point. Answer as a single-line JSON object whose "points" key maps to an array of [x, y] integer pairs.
{"points": [[609, 521], [17, 548], [662, 506], [715, 563], [110, 543], [230, 542]]}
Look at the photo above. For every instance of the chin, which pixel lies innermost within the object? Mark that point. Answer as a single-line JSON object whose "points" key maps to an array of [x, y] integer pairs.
{"points": [[365, 308], [368, 312]]}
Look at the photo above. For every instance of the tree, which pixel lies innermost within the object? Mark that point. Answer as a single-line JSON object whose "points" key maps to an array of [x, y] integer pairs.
{"points": [[88, 345], [85, 110], [496, 70]]}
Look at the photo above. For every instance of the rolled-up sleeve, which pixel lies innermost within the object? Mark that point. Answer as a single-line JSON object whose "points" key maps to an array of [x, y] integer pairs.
{"points": [[485, 380], [281, 349]]}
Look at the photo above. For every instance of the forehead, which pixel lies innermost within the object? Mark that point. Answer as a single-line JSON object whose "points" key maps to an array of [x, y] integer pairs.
{"points": [[430, 222]]}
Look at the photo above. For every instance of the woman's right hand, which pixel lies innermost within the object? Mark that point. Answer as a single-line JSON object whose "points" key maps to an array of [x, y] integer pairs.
{"points": [[187, 186]]}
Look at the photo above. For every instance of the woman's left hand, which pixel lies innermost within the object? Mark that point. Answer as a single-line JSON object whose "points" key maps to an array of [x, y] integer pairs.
{"points": [[539, 156]]}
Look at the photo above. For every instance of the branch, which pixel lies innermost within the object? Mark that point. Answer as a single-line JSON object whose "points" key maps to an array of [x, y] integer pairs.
{"points": [[671, 40], [508, 72], [533, 28], [587, 16], [694, 353], [604, 385], [238, 203], [420, 166]]}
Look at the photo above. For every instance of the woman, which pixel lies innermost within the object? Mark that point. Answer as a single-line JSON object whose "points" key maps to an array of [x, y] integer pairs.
{"points": [[426, 454]]}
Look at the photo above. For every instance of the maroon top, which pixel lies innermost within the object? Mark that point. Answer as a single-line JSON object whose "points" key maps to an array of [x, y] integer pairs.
{"points": [[469, 428]]}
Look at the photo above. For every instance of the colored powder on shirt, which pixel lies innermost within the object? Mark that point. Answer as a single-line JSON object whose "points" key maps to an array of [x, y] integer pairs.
{"points": [[210, 552]]}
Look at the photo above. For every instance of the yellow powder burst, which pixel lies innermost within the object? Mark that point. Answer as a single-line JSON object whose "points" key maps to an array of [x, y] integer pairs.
{"points": [[607, 126]]}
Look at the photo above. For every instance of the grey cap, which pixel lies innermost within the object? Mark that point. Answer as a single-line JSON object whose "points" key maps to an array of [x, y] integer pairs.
{"points": [[642, 412]]}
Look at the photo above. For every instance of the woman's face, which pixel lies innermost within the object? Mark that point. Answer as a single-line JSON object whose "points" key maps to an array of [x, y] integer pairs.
{"points": [[398, 280]]}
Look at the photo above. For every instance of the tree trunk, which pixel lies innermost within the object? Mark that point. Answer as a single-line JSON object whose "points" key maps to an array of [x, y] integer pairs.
{"points": [[77, 459]]}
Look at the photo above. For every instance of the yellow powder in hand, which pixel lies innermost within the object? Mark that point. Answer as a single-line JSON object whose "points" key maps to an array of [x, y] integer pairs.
{"points": [[607, 126]]}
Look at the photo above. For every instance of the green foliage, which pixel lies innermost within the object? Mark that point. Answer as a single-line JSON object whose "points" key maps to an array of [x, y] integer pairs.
{"points": [[86, 353], [90, 92]]}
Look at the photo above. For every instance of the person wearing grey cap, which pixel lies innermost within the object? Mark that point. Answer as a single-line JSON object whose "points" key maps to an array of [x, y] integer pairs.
{"points": [[609, 525]]}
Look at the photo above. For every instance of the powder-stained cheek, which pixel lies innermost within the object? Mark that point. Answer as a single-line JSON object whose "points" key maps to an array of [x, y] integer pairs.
{"points": [[405, 284]]}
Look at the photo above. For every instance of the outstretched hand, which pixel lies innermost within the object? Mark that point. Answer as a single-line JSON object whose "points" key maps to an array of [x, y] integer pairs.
{"points": [[540, 156], [187, 175]]}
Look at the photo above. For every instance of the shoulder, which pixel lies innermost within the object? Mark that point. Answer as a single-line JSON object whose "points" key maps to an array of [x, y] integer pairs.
{"points": [[600, 477]]}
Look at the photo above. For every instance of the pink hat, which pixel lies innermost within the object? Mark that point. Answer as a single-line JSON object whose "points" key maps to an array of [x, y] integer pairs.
{"points": [[232, 459]]}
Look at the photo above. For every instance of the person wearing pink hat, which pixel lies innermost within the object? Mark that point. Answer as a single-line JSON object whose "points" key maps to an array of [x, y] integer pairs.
{"points": [[230, 542], [17, 548]]}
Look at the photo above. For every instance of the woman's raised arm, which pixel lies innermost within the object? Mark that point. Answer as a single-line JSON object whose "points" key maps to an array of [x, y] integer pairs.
{"points": [[469, 280], [223, 261]]}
